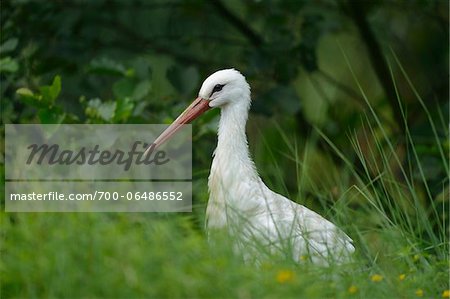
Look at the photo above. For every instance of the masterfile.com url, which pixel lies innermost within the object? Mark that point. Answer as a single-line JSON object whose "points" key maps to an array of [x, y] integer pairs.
{"points": [[52, 196]]}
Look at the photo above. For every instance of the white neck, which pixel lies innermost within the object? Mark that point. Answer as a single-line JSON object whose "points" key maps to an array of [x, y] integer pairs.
{"points": [[232, 140], [232, 165]]}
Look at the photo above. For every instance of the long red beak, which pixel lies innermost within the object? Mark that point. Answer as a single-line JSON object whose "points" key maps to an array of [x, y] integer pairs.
{"points": [[197, 108]]}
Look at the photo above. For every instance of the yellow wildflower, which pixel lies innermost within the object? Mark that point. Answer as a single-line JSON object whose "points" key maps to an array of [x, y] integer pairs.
{"points": [[402, 277], [419, 292], [446, 294], [285, 276], [416, 257], [352, 289], [376, 278]]}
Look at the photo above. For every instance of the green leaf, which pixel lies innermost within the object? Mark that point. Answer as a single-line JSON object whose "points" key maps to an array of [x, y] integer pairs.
{"points": [[30, 98], [25, 92], [141, 90], [124, 109], [52, 115], [50, 93], [128, 87], [8, 65], [124, 88], [185, 80], [9, 45], [47, 96]]}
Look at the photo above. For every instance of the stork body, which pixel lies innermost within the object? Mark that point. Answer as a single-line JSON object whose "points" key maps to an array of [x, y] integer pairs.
{"points": [[239, 201]]}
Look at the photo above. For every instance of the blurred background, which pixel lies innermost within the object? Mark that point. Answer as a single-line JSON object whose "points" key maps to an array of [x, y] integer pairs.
{"points": [[330, 79]]}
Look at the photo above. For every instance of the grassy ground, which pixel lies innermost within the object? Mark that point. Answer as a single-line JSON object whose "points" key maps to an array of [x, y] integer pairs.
{"points": [[400, 232], [166, 256], [162, 256]]}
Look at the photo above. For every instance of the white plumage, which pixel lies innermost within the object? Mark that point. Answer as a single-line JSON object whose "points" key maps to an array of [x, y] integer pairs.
{"points": [[239, 201]]}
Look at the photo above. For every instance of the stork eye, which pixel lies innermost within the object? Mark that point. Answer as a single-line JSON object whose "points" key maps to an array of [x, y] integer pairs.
{"points": [[217, 88]]}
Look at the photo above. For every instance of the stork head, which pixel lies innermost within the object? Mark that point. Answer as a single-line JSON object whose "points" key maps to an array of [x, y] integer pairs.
{"points": [[224, 88]]}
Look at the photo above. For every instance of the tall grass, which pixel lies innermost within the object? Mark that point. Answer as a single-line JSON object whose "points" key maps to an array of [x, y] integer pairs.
{"points": [[399, 231]]}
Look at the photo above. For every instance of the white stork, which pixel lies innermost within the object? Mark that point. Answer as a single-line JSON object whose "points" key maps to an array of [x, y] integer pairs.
{"points": [[239, 200]]}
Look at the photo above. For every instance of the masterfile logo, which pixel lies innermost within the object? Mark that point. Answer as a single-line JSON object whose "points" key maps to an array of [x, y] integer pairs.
{"points": [[92, 156]]}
